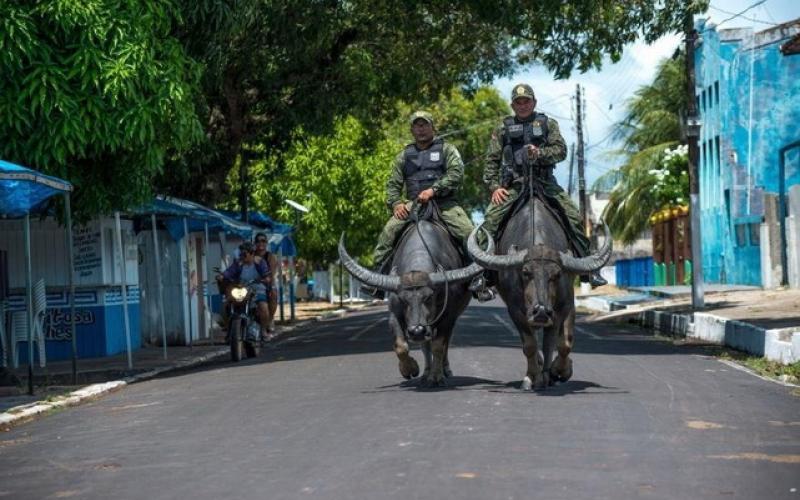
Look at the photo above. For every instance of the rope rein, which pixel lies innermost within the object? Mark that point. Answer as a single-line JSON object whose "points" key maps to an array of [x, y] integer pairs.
{"points": [[414, 216]]}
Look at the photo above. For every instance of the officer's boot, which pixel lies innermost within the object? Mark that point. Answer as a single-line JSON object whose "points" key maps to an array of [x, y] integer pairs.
{"points": [[594, 279], [479, 288]]}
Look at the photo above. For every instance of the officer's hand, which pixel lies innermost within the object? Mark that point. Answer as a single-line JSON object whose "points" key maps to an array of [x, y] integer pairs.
{"points": [[499, 196], [426, 195], [533, 152], [401, 211]]}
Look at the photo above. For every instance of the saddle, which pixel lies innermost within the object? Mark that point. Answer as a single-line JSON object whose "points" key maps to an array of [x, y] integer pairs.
{"points": [[551, 204], [429, 212]]}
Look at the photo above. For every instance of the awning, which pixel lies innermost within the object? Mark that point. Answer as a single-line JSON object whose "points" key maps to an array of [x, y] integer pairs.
{"points": [[280, 235], [23, 190], [174, 210]]}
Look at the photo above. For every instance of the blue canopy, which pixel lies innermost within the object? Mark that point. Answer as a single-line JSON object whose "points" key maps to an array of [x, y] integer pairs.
{"points": [[280, 235], [23, 190], [196, 215]]}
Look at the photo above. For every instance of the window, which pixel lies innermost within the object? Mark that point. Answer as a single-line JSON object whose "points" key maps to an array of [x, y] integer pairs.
{"points": [[741, 235], [718, 177], [710, 95], [703, 157], [716, 92], [755, 233]]}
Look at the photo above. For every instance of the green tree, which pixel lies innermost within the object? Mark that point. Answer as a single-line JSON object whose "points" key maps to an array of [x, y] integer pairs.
{"points": [[340, 177], [274, 67], [97, 92], [650, 178]]}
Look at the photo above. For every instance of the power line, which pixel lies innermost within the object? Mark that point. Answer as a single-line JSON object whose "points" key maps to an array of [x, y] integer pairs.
{"points": [[601, 141], [734, 16], [602, 111], [743, 17]]}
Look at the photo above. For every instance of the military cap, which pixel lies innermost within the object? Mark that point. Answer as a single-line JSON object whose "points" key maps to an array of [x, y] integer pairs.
{"points": [[522, 90], [424, 115]]}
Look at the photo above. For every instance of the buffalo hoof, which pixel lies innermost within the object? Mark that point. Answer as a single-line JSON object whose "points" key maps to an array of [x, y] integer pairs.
{"points": [[433, 383], [539, 383], [561, 370], [448, 372], [409, 369]]}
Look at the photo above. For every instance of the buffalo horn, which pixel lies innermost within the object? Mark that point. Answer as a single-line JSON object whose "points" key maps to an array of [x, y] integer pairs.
{"points": [[460, 274], [591, 262], [488, 259], [364, 275]]}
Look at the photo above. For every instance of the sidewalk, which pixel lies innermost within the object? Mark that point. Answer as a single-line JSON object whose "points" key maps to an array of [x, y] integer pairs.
{"points": [[761, 322], [97, 376]]}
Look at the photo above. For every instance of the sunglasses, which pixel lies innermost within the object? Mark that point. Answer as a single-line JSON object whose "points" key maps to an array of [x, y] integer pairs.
{"points": [[261, 241]]}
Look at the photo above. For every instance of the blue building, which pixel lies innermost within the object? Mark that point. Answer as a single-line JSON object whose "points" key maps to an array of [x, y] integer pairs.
{"points": [[748, 96]]}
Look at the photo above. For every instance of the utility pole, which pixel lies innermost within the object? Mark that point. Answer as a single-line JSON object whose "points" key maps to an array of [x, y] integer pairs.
{"points": [[581, 179], [692, 134], [570, 184]]}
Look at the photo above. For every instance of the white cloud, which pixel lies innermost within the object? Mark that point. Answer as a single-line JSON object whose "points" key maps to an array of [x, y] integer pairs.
{"points": [[605, 92]]}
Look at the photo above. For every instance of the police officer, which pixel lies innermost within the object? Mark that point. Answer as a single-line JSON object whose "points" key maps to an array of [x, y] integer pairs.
{"points": [[529, 138], [427, 169]]}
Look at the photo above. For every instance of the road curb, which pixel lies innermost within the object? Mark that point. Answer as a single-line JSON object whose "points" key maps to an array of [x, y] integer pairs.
{"points": [[27, 412], [781, 345], [30, 411]]}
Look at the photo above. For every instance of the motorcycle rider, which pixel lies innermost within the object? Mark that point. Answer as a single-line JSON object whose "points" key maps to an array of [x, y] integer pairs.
{"points": [[249, 267]]}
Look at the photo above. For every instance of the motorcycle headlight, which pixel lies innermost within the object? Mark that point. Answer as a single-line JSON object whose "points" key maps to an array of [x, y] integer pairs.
{"points": [[238, 293]]}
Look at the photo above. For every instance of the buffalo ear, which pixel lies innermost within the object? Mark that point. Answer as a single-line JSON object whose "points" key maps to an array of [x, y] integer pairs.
{"points": [[513, 249]]}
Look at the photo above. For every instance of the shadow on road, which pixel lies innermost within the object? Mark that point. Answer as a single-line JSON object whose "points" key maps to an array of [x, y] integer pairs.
{"points": [[454, 382], [481, 326]]}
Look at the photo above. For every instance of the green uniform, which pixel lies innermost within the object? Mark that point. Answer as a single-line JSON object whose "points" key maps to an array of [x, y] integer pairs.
{"points": [[551, 151], [446, 192]]}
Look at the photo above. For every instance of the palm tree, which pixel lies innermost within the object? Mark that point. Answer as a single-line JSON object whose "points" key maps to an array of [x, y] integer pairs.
{"points": [[652, 124]]}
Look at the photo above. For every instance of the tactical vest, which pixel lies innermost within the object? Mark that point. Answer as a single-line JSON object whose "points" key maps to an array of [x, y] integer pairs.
{"points": [[516, 136], [421, 169]]}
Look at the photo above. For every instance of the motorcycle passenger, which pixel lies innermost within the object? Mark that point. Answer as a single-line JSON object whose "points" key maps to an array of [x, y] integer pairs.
{"points": [[262, 250], [249, 267]]}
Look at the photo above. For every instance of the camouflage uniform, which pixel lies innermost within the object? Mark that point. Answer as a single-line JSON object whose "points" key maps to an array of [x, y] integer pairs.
{"points": [[445, 189], [551, 152]]}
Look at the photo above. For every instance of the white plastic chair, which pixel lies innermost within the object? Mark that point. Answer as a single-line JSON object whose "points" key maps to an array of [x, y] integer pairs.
{"points": [[19, 325]]}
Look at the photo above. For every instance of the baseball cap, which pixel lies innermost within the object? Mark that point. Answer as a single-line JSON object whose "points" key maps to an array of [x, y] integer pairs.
{"points": [[522, 90], [421, 115]]}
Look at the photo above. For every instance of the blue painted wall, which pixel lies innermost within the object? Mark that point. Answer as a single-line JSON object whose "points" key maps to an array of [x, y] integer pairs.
{"points": [[748, 96], [99, 324]]}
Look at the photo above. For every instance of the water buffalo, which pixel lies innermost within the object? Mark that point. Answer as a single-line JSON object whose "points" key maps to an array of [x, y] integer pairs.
{"points": [[427, 293], [535, 279]]}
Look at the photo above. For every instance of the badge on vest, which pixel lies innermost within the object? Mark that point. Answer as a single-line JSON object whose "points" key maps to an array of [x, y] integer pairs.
{"points": [[434, 156], [537, 128], [515, 128]]}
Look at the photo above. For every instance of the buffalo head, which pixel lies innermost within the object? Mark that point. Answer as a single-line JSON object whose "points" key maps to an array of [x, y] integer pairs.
{"points": [[422, 294], [543, 271]]}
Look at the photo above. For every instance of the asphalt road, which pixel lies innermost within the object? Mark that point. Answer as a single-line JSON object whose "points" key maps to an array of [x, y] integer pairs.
{"points": [[325, 414]]}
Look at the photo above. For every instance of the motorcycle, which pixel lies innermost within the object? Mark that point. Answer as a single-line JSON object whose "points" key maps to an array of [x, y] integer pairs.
{"points": [[243, 326]]}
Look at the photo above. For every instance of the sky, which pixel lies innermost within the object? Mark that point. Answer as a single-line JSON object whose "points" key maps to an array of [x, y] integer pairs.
{"points": [[607, 90]]}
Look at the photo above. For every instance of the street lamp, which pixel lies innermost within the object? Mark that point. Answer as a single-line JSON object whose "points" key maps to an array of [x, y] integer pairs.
{"points": [[298, 208]]}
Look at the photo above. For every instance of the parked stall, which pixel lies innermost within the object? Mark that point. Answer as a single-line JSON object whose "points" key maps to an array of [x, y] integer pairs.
{"points": [[181, 270], [22, 192]]}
